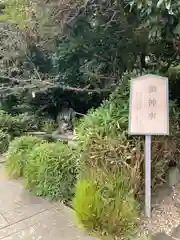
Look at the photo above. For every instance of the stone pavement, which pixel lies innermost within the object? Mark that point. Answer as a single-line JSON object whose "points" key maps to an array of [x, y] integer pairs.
{"points": [[23, 216], [174, 236]]}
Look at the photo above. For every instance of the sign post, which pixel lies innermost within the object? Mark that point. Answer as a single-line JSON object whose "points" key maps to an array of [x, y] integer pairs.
{"points": [[148, 175], [149, 115]]}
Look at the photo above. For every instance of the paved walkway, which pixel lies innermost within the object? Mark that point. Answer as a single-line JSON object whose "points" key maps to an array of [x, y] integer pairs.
{"points": [[26, 217], [23, 216], [174, 236]]}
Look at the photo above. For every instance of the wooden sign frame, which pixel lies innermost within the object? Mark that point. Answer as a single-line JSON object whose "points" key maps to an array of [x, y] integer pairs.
{"points": [[164, 131], [148, 77]]}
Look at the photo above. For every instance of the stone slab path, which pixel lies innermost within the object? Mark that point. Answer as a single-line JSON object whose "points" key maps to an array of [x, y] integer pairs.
{"points": [[23, 216], [174, 236], [26, 217]]}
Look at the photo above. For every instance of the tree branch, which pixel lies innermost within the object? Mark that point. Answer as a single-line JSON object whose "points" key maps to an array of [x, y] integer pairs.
{"points": [[97, 90], [47, 84]]}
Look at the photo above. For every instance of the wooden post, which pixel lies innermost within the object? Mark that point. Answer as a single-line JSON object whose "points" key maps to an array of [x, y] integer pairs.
{"points": [[148, 176], [148, 116]]}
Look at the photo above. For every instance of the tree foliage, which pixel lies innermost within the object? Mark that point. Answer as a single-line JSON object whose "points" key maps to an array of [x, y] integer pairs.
{"points": [[82, 47], [160, 16]]}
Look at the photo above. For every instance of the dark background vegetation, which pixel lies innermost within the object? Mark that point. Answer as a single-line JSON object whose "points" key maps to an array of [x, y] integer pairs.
{"points": [[78, 51]]}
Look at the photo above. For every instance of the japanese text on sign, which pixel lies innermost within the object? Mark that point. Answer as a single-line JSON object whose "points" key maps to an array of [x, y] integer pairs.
{"points": [[152, 101], [149, 106]]}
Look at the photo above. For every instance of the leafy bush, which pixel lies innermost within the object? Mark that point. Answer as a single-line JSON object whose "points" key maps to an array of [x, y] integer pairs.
{"points": [[25, 122], [16, 125], [17, 155], [48, 125], [105, 205], [104, 143], [50, 171], [109, 119], [4, 141], [105, 153], [106, 150], [11, 15]]}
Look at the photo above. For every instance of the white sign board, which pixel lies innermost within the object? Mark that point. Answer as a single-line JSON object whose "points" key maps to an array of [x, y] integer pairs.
{"points": [[149, 110]]}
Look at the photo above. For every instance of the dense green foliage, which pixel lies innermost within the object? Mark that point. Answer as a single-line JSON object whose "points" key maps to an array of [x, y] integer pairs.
{"points": [[4, 141], [105, 144], [91, 46], [105, 205], [18, 124], [50, 171], [17, 155], [48, 125], [106, 150], [161, 17]]}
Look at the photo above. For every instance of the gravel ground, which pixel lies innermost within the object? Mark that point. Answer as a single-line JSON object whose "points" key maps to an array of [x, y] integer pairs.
{"points": [[165, 214]]}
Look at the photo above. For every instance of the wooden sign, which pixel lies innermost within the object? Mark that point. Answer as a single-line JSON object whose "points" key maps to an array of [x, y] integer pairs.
{"points": [[149, 110], [149, 115]]}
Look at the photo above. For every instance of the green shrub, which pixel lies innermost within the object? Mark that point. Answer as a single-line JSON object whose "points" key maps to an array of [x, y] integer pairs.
{"points": [[5, 121], [16, 125], [48, 125], [51, 171], [17, 154], [110, 119], [4, 141], [25, 123], [105, 153], [103, 140], [105, 205]]}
